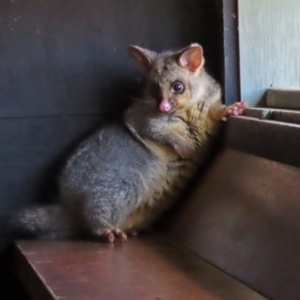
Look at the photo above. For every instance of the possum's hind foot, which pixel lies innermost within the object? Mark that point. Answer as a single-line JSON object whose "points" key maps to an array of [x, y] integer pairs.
{"points": [[112, 235]]}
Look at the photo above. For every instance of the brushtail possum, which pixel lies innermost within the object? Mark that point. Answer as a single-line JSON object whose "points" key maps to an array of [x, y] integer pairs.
{"points": [[125, 175]]}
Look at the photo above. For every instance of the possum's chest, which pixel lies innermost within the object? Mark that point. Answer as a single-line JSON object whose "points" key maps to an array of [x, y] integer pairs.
{"points": [[168, 181]]}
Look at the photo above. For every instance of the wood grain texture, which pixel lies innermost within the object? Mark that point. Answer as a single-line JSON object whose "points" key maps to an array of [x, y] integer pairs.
{"points": [[141, 269], [269, 46]]}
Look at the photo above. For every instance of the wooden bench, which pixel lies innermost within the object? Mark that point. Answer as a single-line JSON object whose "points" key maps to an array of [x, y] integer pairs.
{"points": [[236, 237]]}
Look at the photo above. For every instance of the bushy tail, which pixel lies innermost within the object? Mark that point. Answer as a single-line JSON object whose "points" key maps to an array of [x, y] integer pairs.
{"points": [[37, 222]]}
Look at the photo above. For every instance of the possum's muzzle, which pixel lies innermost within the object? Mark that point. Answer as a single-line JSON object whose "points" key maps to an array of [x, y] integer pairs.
{"points": [[167, 105]]}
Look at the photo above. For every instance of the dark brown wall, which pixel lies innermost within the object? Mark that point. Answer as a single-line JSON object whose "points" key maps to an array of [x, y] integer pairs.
{"points": [[64, 65]]}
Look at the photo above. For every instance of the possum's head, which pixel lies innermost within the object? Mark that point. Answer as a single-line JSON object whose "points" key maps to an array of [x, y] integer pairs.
{"points": [[173, 78]]}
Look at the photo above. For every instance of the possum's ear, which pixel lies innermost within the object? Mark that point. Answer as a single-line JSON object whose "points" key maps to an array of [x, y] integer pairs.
{"points": [[191, 58], [143, 57]]}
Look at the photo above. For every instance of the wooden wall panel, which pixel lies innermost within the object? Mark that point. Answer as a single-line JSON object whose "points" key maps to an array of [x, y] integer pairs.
{"points": [[32, 151], [64, 65], [243, 217], [69, 57]]}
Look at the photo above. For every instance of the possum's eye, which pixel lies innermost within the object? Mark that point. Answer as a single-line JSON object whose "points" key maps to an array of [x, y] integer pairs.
{"points": [[177, 87]]}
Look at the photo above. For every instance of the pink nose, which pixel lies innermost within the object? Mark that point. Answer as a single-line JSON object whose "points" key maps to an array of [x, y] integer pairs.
{"points": [[165, 106]]}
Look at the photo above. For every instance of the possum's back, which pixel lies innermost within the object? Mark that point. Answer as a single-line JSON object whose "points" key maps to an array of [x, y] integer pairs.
{"points": [[109, 152]]}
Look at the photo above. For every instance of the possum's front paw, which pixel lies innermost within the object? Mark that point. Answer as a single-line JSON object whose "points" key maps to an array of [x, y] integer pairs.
{"points": [[235, 109], [111, 235]]}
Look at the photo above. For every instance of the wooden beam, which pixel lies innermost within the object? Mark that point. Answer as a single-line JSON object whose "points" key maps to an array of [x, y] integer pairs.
{"points": [[230, 47]]}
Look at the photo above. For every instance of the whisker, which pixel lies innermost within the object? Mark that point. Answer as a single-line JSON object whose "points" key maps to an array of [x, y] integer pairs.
{"points": [[133, 98], [137, 110], [142, 100]]}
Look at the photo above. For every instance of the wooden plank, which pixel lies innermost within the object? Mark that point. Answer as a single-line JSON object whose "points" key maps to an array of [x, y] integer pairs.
{"points": [[286, 116], [275, 140], [259, 113], [282, 115], [148, 268], [223, 46], [231, 71], [243, 217], [283, 98]]}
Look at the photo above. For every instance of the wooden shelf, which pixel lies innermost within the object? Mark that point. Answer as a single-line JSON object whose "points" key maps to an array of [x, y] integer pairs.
{"points": [[143, 268]]}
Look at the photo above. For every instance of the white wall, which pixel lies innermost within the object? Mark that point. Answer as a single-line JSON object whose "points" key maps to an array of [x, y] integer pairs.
{"points": [[269, 46]]}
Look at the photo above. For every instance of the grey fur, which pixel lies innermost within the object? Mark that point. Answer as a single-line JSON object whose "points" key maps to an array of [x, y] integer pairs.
{"points": [[101, 183], [126, 174], [106, 178]]}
